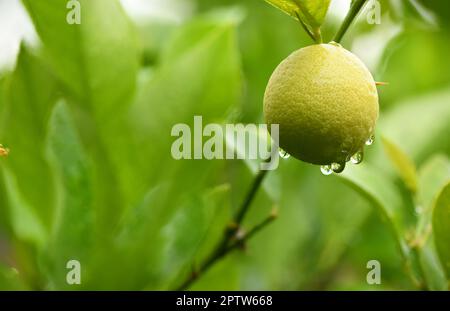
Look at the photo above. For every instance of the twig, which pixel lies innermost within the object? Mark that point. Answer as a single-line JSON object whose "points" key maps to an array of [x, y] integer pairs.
{"points": [[273, 215], [381, 83], [233, 238], [249, 198], [352, 13], [221, 252]]}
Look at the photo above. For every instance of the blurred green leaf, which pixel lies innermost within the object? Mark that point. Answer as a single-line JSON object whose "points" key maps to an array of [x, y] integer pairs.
{"points": [[165, 249], [217, 206], [379, 189], [211, 64], [441, 228], [409, 78], [411, 13], [193, 32], [403, 164], [30, 96], [10, 279], [153, 37], [93, 56], [312, 12], [97, 61], [427, 134], [24, 222], [136, 249], [3, 79], [187, 230], [224, 275], [439, 8], [73, 234], [433, 175], [415, 11], [433, 273]]}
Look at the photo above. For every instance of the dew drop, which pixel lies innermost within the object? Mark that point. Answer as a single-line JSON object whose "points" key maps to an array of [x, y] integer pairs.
{"points": [[326, 169], [347, 156], [338, 167], [357, 157], [283, 154], [370, 140], [335, 44]]}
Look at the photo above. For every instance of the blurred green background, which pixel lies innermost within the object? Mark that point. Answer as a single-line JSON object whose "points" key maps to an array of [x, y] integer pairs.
{"points": [[86, 111]]}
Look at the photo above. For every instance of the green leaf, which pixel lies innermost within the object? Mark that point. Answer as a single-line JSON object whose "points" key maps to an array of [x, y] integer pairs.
{"points": [[73, 234], [3, 78], [433, 272], [97, 62], [415, 11], [175, 239], [379, 189], [404, 165], [96, 59], [30, 96], [218, 211], [441, 228], [183, 235], [191, 34], [10, 279], [426, 135], [197, 224], [312, 12], [438, 9], [135, 249], [433, 175], [212, 66], [226, 274], [25, 224], [287, 6]]}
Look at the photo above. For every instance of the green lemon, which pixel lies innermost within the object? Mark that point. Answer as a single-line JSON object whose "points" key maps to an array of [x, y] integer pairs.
{"points": [[326, 104]]}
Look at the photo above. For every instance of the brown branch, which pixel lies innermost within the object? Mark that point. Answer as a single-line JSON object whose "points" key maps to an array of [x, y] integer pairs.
{"points": [[234, 237]]}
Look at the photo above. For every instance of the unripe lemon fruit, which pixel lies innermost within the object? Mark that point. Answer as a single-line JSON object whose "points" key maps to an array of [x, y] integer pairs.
{"points": [[326, 104]]}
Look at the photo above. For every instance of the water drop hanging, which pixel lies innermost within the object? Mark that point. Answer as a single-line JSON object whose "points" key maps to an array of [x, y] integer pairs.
{"points": [[357, 157], [335, 44], [338, 167], [283, 154], [326, 169], [370, 140]]}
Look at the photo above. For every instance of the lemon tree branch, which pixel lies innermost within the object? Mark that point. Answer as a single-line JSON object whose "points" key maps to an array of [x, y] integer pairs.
{"points": [[352, 13], [249, 198], [234, 236]]}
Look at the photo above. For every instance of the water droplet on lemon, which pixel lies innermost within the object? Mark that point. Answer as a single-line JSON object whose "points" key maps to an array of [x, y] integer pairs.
{"points": [[326, 170]]}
